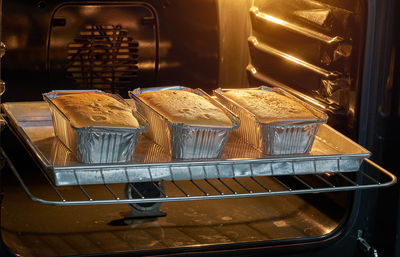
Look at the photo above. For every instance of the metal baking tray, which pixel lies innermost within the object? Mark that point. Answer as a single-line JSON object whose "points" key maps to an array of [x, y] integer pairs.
{"points": [[185, 141], [31, 122], [95, 144], [276, 137]]}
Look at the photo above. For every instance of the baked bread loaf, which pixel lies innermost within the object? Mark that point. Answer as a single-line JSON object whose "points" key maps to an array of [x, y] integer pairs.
{"points": [[180, 106], [94, 109], [269, 106]]}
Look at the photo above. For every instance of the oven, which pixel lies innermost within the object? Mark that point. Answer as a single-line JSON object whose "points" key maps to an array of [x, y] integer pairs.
{"points": [[337, 56]]}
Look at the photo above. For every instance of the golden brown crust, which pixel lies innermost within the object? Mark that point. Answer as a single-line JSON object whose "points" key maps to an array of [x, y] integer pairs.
{"points": [[94, 109], [185, 107], [269, 106]]}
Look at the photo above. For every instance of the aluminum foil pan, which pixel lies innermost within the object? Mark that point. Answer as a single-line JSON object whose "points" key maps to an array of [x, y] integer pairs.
{"points": [[277, 137], [95, 144], [184, 141]]}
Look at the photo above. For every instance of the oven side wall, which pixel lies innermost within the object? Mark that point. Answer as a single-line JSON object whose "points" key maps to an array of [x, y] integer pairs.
{"points": [[380, 123]]}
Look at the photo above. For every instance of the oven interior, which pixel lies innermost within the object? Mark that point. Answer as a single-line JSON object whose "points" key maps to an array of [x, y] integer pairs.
{"points": [[314, 49]]}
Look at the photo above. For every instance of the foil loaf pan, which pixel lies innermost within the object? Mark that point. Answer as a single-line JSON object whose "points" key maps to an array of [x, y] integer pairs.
{"points": [[95, 144], [184, 141], [277, 137], [331, 152]]}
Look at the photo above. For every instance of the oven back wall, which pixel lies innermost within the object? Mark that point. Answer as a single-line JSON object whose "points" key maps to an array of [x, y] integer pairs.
{"points": [[115, 46]]}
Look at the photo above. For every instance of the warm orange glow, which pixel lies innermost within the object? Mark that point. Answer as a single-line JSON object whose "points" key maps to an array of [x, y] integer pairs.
{"points": [[271, 18], [315, 102], [253, 70], [293, 59], [267, 49], [292, 26]]}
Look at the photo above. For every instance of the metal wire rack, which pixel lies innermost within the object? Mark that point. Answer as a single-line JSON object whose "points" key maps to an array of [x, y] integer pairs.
{"points": [[217, 188]]}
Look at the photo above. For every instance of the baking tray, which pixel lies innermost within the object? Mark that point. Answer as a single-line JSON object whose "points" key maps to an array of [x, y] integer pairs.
{"points": [[276, 137], [185, 141], [31, 122], [95, 144]]}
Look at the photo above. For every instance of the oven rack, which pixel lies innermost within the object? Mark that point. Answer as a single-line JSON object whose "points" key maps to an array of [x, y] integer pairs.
{"points": [[216, 188]]}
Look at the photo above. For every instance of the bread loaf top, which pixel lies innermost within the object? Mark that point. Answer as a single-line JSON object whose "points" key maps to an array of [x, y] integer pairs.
{"points": [[94, 109], [185, 107], [269, 106]]}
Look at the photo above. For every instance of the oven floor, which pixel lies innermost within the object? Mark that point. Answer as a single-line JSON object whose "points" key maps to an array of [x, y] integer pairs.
{"points": [[32, 229]]}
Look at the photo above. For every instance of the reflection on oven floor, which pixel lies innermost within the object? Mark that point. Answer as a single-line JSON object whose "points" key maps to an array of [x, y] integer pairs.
{"points": [[32, 229]]}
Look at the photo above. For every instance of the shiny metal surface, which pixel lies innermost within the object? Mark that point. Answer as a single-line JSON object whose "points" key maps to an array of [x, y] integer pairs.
{"points": [[95, 144], [308, 66], [184, 141], [278, 137], [314, 47], [220, 188], [331, 152]]}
